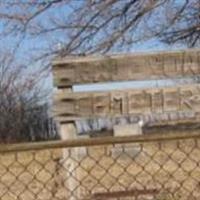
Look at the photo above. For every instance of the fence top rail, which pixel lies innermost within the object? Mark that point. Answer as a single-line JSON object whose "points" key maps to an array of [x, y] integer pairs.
{"points": [[109, 140]]}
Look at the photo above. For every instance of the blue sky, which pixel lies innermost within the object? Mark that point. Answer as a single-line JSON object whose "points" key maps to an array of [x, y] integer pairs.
{"points": [[31, 45]]}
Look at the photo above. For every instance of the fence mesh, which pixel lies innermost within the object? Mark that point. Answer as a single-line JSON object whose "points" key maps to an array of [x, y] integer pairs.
{"points": [[162, 170]]}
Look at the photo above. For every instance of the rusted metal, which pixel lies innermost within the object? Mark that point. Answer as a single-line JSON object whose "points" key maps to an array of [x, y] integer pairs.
{"points": [[128, 193], [106, 140]]}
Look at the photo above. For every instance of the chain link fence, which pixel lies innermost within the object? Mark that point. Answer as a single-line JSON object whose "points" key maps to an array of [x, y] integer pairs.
{"points": [[142, 168]]}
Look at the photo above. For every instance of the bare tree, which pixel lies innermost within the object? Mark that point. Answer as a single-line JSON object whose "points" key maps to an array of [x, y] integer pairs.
{"points": [[90, 26], [39, 30], [23, 107]]}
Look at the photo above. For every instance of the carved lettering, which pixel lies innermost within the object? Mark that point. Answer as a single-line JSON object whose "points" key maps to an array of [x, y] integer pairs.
{"points": [[127, 67], [139, 102], [155, 64], [185, 104], [118, 104], [191, 66], [130, 102], [173, 65], [171, 100], [157, 101], [104, 71], [190, 99], [84, 73], [101, 104]]}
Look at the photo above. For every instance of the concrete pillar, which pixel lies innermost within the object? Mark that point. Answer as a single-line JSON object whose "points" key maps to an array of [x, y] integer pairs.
{"points": [[127, 130], [68, 132], [71, 157]]}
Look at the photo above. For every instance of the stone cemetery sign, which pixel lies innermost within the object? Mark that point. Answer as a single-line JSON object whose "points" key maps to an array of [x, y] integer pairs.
{"points": [[68, 71]]}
